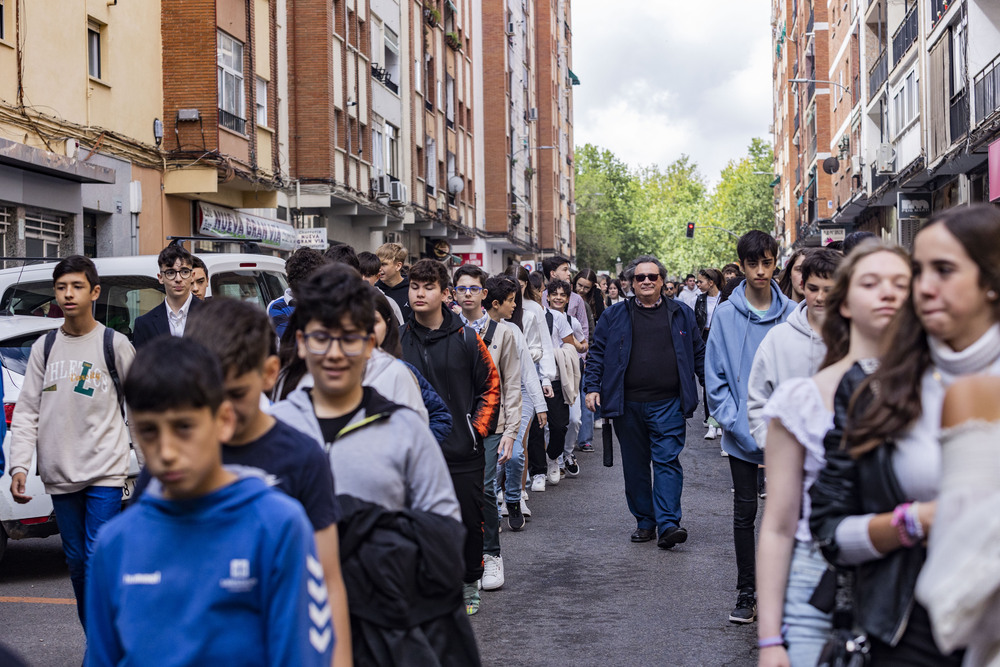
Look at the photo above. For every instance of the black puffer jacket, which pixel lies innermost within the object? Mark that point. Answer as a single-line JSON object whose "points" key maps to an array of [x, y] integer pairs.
{"points": [[883, 588], [701, 311]]}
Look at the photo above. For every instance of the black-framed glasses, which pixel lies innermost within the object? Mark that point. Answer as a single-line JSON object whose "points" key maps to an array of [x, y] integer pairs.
{"points": [[469, 289], [319, 343], [643, 277], [170, 274]]}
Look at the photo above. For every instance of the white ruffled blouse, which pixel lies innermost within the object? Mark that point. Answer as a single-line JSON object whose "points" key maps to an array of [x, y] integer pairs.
{"points": [[798, 405]]}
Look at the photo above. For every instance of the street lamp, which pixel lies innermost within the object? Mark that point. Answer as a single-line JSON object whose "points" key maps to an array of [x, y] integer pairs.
{"points": [[832, 83]]}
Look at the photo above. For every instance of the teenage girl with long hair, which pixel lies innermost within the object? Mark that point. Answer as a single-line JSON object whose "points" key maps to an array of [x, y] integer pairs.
{"points": [[868, 290], [874, 503], [790, 280]]}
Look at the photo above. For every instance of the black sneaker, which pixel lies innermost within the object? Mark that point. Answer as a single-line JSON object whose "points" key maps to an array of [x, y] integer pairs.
{"points": [[514, 516], [746, 608], [572, 467]]}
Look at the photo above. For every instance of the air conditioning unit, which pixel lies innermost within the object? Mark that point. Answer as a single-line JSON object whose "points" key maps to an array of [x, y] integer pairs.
{"points": [[856, 165], [510, 29], [393, 237], [397, 193], [383, 184], [532, 114], [885, 158]]}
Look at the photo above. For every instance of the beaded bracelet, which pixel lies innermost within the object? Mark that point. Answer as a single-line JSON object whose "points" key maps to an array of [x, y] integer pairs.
{"points": [[899, 523]]}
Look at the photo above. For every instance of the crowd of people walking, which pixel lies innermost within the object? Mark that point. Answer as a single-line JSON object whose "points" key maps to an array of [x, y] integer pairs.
{"points": [[329, 481]]}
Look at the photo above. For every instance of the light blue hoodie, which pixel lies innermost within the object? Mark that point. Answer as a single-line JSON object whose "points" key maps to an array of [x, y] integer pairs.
{"points": [[736, 333]]}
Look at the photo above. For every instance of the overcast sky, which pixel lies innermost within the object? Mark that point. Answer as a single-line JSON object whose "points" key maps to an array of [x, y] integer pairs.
{"points": [[661, 78]]}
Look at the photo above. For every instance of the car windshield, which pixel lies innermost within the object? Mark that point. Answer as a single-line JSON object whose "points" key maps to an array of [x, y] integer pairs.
{"points": [[122, 300], [14, 351], [259, 287]]}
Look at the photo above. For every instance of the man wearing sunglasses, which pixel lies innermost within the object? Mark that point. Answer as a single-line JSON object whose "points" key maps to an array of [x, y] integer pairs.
{"points": [[170, 317], [641, 372]]}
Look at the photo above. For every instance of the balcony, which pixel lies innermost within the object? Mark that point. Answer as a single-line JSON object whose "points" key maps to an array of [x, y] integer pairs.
{"points": [[878, 75], [959, 115], [232, 122], [986, 87], [905, 37], [938, 10]]}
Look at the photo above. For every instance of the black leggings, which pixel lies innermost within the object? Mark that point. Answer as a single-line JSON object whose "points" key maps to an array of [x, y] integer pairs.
{"points": [[558, 416]]}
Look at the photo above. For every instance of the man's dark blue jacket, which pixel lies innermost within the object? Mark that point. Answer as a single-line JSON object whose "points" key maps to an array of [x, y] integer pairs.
{"points": [[608, 356]]}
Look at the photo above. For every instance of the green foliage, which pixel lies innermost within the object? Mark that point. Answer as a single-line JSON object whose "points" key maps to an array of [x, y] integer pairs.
{"points": [[623, 212]]}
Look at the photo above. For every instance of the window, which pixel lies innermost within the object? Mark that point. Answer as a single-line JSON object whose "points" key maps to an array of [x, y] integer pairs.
{"points": [[230, 83], [906, 103], [93, 49], [42, 233], [431, 167], [392, 151], [417, 71], [390, 60], [3, 26], [449, 100], [378, 151], [261, 102]]}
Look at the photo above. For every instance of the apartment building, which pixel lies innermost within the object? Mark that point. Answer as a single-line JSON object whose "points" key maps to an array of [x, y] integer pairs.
{"points": [[922, 132], [80, 99]]}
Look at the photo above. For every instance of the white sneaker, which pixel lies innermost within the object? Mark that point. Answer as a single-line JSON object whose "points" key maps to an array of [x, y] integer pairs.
{"points": [[724, 452], [553, 477], [538, 483], [711, 433], [492, 572], [524, 509], [503, 509]]}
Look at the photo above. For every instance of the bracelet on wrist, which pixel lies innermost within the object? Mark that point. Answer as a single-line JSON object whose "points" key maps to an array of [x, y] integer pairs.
{"points": [[899, 523], [768, 642], [913, 525]]}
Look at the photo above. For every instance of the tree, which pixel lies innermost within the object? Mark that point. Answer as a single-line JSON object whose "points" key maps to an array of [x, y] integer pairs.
{"points": [[604, 190]]}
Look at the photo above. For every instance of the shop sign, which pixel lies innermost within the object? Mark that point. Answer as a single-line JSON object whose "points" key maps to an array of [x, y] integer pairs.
{"points": [[473, 258], [913, 204], [833, 234], [312, 238], [225, 222], [995, 170]]}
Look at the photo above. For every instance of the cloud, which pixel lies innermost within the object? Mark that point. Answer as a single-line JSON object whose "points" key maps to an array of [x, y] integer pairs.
{"points": [[662, 78]]}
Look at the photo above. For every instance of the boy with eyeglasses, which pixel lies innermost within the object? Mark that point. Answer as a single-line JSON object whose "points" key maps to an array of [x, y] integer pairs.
{"points": [[170, 317], [458, 365], [470, 288]]}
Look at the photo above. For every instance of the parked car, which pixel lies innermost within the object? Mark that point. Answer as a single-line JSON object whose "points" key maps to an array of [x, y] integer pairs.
{"points": [[34, 519], [129, 287]]}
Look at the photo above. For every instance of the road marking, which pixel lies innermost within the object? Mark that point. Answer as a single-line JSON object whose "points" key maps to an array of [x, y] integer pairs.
{"points": [[39, 600]]}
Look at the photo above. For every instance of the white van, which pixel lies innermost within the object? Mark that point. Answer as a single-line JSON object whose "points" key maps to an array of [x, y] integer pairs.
{"points": [[129, 287]]}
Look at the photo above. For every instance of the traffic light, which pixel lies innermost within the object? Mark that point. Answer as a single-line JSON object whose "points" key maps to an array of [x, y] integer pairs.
{"points": [[690, 230]]}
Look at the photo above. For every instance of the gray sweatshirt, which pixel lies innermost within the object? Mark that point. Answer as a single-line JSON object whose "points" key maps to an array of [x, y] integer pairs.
{"points": [[69, 412], [393, 462]]}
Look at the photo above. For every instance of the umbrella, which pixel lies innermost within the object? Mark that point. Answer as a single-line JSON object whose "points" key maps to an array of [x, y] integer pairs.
{"points": [[609, 451]]}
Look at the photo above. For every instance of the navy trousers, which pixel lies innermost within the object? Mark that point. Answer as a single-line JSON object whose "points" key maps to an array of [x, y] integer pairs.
{"points": [[651, 436]]}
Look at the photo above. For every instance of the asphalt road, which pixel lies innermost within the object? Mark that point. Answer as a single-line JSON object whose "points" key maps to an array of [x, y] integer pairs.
{"points": [[577, 591]]}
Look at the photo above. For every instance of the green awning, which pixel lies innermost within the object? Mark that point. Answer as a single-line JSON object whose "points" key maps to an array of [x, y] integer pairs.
{"points": [[776, 181], [574, 79], [451, 6]]}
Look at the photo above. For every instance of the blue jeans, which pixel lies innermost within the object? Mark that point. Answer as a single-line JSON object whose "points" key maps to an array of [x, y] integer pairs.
{"points": [[651, 436], [514, 469], [80, 515], [807, 627]]}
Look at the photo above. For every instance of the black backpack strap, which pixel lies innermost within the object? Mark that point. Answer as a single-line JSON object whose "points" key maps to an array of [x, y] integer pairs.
{"points": [[549, 320], [50, 340], [109, 360], [491, 330]]}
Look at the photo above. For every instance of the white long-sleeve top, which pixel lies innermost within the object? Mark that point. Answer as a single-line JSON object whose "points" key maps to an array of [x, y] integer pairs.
{"points": [[534, 325], [530, 383]]}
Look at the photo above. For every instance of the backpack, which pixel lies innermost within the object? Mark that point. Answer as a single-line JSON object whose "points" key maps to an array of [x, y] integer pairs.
{"points": [[109, 360], [549, 320], [491, 330]]}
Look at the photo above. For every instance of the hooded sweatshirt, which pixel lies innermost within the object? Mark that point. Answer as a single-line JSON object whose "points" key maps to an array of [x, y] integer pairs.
{"points": [[400, 293], [459, 367], [233, 574], [385, 455], [790, 350], [390, 377], [737, 332]]}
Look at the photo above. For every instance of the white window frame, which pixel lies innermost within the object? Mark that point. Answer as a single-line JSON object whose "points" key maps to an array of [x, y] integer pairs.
{"points": [[47, 228], [431, 174], [392, 150], [94, 51], [906, 103], [378, 151], [260, 99], [391, 48], [229, 56]]}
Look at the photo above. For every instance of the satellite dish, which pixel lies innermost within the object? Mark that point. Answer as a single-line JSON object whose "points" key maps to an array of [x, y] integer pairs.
{"points": [[831, 165], [455, 184]]}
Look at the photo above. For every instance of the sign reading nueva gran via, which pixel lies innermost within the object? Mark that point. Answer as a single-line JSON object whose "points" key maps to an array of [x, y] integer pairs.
{"points": [[225, 222]]}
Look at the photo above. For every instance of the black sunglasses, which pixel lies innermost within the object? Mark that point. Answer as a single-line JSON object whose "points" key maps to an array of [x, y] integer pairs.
{"points": [[643, 277]]}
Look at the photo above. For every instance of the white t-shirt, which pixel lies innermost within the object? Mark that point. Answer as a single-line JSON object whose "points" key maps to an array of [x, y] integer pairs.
{"points": [[712, 302], [560, 328]]}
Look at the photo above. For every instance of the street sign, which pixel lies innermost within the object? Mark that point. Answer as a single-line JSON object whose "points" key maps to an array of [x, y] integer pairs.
{"points": [[529, 266], [473, 258], [314, 237], [913, 205]]}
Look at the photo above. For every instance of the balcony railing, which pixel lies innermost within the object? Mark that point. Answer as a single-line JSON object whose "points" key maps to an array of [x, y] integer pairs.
{"points": [[878, 75], [959, 115], [232, 122], [938, 9], [905, 37], [986, 88]]}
